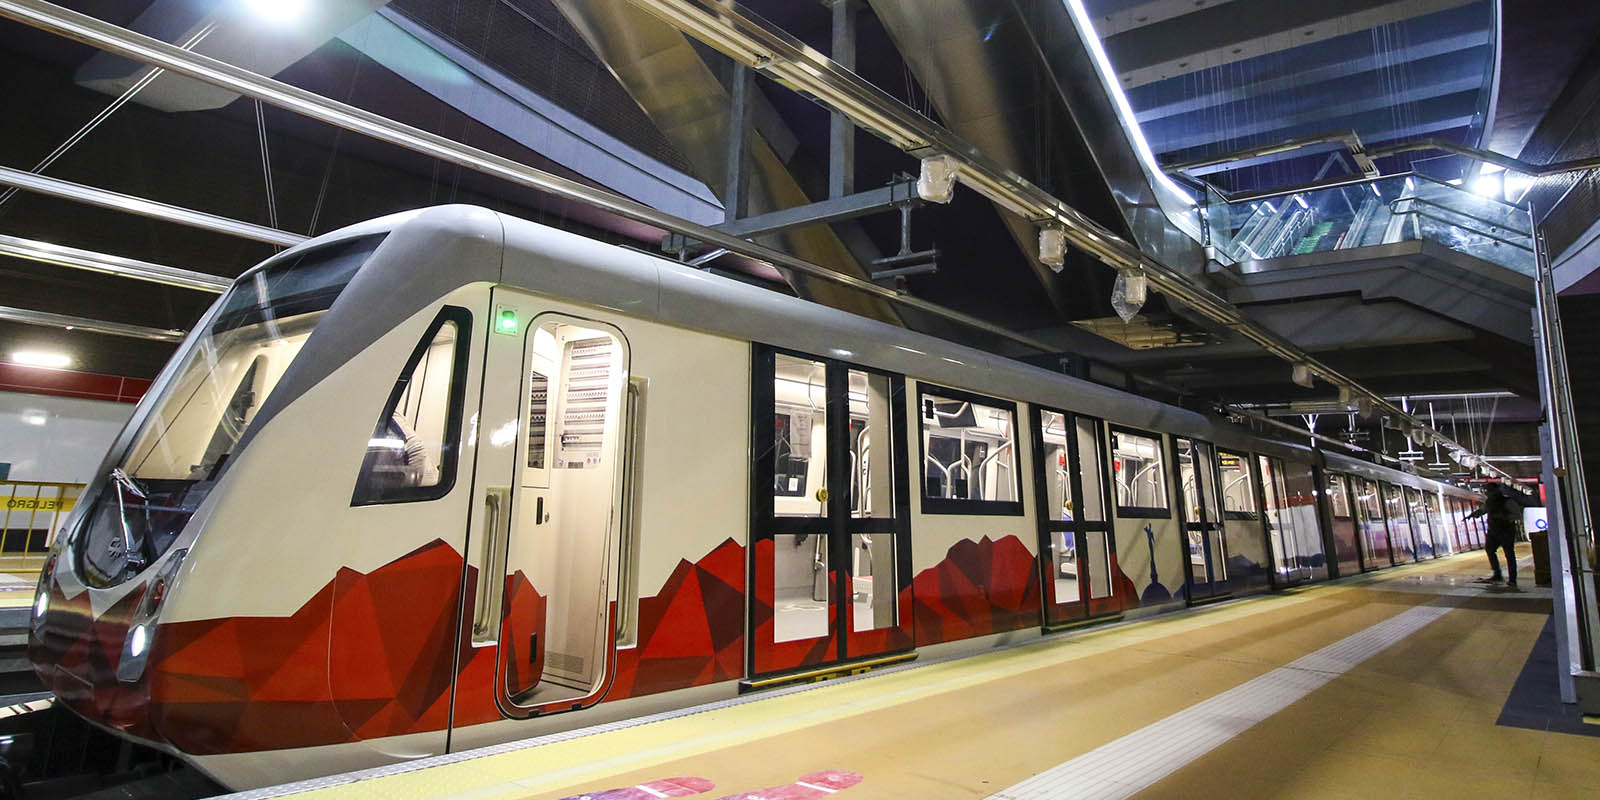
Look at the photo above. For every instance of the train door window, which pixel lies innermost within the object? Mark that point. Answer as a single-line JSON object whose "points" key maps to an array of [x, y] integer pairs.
{"points": [[1437, 522], [872, 581], [871, 450], [1138, 465], [411, 454], [1091, 468], [561, 558], [1059, 506], [969, 454], [801, 583], [800, 439], [1238, 494], [1059, 502]]}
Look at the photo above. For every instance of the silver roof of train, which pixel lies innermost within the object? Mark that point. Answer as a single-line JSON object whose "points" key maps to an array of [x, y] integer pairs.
{"points": [[571, 267]]}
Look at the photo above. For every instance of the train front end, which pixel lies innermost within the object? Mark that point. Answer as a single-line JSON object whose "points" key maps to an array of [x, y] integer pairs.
{"points": [[187, 604]]}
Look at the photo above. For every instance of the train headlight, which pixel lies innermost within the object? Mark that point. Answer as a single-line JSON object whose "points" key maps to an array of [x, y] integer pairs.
{"points": [[137, 641], [135, 652], [42, 604]]}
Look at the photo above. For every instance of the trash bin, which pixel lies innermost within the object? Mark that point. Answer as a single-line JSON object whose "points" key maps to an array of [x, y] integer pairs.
{"points": [[1540, 541]]}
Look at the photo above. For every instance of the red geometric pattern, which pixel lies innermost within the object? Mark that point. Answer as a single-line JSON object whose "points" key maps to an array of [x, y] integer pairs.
{"points": [[774, 656], [692, 632], [76, 654], [979, 588]]}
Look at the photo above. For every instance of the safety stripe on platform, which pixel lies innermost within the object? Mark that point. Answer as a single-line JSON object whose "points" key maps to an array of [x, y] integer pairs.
{"points": [[1138, 760]]}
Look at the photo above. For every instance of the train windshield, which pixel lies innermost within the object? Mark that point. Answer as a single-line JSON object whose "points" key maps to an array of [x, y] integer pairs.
{"points": [[191, 433]]}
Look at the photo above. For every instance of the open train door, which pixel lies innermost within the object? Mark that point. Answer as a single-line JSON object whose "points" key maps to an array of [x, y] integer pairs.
{"points": [[544, 552]]}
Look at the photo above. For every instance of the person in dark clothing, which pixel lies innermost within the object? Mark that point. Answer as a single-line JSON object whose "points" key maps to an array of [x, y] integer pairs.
{"points": [[1503, 506]]}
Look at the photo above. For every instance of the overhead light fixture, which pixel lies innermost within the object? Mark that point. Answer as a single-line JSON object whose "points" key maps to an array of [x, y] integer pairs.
{"points": [[936, 180], [41, 358], [34, 416], [1487, 185], [1301, 375], [277, 11], [1128, 293], [1053, 248], [1301, 201]]}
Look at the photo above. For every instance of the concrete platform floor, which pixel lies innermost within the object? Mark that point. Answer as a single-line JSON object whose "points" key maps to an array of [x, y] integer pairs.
{"points": [[1386, 685]]}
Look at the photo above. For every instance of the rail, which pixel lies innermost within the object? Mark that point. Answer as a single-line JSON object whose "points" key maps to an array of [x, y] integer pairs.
{"points": [[34, 511]]}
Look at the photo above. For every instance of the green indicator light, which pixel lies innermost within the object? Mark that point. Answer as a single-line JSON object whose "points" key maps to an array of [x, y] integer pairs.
{"points": [[508, 321]]}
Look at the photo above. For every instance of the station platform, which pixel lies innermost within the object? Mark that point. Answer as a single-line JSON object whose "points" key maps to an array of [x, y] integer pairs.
{"points": [[1416, 681]]}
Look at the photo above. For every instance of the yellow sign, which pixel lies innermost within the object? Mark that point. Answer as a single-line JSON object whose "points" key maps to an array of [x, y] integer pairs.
{"points": [[47, 505]]}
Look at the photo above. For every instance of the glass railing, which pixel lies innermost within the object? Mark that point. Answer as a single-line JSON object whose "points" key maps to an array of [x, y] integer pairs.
{"points": [[1366, 213]]}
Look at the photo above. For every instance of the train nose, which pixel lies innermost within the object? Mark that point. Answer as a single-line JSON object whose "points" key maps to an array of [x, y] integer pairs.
{"points": [[91, 649]]}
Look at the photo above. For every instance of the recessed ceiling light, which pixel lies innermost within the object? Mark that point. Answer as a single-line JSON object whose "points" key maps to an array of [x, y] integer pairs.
{"points": [[41, 358]]}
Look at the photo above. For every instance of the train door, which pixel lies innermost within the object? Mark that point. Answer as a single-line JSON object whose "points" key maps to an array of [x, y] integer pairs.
{"points": [[1207, 561], [1249, 562], [1074, 534], [1421, 524], [548, 534], [1343, 525], [1403, 547], [1375, 552], [829, 556]]}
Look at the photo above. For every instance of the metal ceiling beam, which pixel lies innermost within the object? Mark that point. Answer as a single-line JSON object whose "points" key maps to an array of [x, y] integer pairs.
{"points": [[63, 256], [755, 43], [48, 320], [79, 193], [111, 38], [1247, 29], [836, 209]]}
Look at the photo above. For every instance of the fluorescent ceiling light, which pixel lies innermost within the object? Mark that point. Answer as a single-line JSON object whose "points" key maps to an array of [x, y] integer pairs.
{"points": [[41, 358]]}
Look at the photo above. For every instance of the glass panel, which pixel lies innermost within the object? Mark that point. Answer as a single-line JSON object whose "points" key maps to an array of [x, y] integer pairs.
{"points": [[872, 581], [1097, 558], [1091, 466], [1438, 523], [1188, 478], [801, 589], [1205, 463], [1059, 503], [1064, 550], [969, 451], [1219, 557], [1369, 213], [871, 467], [1197, 554], [407, 446], [1136, 461], [1299, 492], [800, 440], [1394, 504], [1238, 492]]}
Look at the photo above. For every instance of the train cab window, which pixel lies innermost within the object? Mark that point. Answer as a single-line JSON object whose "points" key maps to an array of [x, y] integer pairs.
{"points": [[969, 454], [800, 437], [1238, 491], [1139, 466], [411, 453]]}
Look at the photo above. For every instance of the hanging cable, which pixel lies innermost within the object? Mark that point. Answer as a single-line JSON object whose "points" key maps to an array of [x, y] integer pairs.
{"points": [[144, 80], [266, 166]]}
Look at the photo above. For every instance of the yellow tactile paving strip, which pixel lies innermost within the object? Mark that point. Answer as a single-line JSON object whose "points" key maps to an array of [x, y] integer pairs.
{"points": [[970, 727]]}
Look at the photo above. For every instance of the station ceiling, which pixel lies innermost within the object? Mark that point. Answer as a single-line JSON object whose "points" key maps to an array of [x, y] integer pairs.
{"points": [[1203, 78]]}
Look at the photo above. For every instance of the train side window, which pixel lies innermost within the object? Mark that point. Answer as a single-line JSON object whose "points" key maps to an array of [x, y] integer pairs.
{"points": [[411, 454], [1139, 467], [969, 453]]}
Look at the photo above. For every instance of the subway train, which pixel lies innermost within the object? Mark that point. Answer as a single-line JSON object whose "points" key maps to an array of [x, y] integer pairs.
{"points": [[450, 478]]}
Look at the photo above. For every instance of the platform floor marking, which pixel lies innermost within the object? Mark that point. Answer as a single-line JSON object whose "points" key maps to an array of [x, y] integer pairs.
{"points": [[1123, 767], [666, 787], [810, 786], [571, 758]]}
